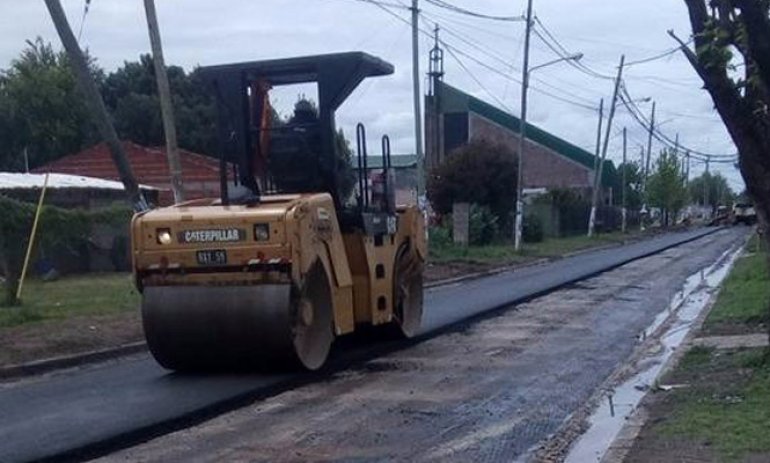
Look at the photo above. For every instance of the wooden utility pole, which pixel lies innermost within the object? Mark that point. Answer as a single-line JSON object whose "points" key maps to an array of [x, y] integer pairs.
{"points": [[623, 210], [518, 223], [649, 151], [95, 104], [598, 179], [598, 150], [166, 107], [417, 95]]}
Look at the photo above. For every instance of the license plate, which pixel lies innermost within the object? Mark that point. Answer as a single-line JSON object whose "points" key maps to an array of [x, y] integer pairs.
{"points": [[214, 257]]}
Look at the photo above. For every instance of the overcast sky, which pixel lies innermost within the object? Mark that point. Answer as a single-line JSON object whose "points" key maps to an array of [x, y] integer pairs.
{"points": [[203, 32]]}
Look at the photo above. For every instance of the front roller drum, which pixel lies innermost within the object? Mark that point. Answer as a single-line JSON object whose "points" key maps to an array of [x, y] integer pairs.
{"points": [[267, 326]]}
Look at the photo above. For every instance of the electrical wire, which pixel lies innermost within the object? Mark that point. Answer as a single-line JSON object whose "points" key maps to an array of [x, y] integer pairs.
{"points": [[640, 118], [483, 64], [507, 65], [657, 56], [456, 9], [83, 18]]}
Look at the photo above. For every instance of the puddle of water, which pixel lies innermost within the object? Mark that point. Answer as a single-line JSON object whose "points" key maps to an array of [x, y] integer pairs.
{"points": [[619, 404]]}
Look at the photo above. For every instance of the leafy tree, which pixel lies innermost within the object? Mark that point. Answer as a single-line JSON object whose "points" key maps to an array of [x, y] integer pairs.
{"points": [[666, 188], [481, 172], [633, 186], [710, 190], [131, 94], [41, 109]]}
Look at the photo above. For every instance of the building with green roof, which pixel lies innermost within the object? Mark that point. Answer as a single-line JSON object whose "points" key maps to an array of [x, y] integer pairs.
{"points": [[454, 117]]}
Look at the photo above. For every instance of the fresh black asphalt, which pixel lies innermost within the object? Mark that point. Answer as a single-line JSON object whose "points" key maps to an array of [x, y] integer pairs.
{"points": [[85, 412]]}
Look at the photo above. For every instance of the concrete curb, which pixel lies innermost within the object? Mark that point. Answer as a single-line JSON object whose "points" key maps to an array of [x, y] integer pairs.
{"points": [[624, 441], [75, 360], [68, 361]]}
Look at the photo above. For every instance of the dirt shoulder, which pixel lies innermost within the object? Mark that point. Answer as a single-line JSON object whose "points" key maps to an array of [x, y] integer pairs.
{"points": [[720, 407]]}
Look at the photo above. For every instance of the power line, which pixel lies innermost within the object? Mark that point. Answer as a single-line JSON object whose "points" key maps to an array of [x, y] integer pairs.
{"points": [[483, 64], [662, 55], [640, 118], [508, 65], [383, 3], [456, 9], [478, 82], [550, 40]]}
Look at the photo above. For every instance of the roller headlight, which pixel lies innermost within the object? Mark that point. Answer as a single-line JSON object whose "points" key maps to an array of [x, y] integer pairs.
{"points": [[163, 236], [262, 232]]}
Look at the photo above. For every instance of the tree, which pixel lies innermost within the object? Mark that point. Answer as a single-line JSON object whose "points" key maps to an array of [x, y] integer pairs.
{"points": [[666, 188], [710, 190], [732, 57], [41, 108], [481, 172], [131, 94], [633, 185]]}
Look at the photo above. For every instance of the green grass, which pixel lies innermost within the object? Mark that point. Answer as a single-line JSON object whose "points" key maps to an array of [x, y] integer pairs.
{"points": [[727, 401], [728, 406], [745, 295], [95, 294], [504, 253]]}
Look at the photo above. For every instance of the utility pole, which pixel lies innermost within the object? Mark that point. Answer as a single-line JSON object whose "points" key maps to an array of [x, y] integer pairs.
{"points": [[421, 200], [687, 167], [95, 104], [598, 179], [166, 108], [598, 150], [623, 211], [649, 151], [706, 185], [519, 220]]}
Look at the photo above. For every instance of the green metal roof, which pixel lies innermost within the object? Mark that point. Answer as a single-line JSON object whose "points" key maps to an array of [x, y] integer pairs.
{"points": [[397, 161], [455, 100]]}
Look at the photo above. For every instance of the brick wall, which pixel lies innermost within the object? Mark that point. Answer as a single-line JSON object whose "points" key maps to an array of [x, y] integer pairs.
{"points": [[542, 167]]}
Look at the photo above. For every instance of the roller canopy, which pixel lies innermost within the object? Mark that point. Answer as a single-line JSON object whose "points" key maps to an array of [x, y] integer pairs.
{"points": [[337, 76]]}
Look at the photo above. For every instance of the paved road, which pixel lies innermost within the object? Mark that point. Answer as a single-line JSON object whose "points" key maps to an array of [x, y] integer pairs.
{"points": [[486, 393], [83, 412]]}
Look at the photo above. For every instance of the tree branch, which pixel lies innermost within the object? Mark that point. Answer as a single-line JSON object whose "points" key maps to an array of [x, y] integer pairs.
{"points": [[755, 18]]}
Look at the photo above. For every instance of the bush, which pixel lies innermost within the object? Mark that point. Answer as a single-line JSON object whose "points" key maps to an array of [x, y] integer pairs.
{"points": [[58, 228], [481, 172], [483, 225], [440, 236], [532, 229]]}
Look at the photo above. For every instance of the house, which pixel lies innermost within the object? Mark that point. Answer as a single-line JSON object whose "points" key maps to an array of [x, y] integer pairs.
{"points": [[105, 245], [453, 118], [200, 173], [68, 191]]}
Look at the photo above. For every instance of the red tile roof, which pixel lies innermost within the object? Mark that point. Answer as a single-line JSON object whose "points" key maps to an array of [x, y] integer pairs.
{"points": [[150, 165]]}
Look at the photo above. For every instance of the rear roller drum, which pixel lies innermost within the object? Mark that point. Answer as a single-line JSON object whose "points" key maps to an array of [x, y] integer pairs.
{"points": [[267, 326], [407, 292]]}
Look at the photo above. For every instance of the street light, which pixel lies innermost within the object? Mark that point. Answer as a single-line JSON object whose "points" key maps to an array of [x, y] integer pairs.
{"points": [[522, 136]]}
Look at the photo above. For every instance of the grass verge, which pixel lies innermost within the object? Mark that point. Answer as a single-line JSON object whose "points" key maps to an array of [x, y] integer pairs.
{"points": [[93, 294], [505, 253], [743, 302], [722, 410]]}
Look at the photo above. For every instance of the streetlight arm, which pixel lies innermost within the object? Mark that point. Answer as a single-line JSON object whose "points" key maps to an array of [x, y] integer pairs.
{"points": [[575, 57]]}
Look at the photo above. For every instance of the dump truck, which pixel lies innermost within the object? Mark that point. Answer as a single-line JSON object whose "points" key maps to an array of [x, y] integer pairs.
{"points": [[268, 274]]}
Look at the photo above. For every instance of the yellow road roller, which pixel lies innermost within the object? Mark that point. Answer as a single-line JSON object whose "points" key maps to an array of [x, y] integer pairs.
{"points": [[285, 260]]}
